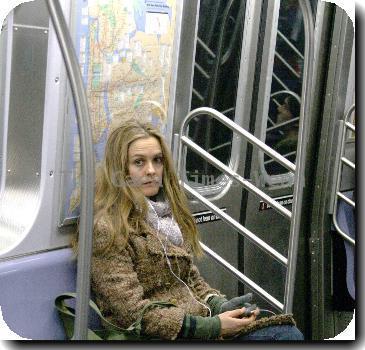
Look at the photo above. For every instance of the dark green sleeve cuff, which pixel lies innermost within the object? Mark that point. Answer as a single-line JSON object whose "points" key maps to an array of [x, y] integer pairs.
{"points": [[215, 302], [198, 327]]}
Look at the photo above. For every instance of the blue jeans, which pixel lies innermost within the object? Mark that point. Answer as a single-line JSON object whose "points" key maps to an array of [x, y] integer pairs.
{"points": [[273, 333]]}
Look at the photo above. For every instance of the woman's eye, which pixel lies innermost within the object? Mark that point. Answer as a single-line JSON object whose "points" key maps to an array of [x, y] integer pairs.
{"points": [[159, 160]]}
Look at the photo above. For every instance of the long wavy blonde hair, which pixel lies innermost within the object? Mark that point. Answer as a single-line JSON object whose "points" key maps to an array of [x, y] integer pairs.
{"points": [[122, 206]]}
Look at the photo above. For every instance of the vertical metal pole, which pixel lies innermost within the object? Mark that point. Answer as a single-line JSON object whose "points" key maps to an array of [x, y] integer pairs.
{"points": [[302, 136], [87, 168]]}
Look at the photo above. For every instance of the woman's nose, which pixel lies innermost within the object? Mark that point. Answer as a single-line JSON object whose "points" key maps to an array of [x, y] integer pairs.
{"points": [[150, 169]]}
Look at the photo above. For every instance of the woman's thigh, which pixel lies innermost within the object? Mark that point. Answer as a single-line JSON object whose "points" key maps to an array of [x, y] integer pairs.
{"points": [[273, 333]]}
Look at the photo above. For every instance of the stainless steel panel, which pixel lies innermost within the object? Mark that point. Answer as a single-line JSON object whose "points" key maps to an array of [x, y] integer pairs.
{"points": [[26, 103], [19, 201], [274, 230], [3, 67], [33, 13]]}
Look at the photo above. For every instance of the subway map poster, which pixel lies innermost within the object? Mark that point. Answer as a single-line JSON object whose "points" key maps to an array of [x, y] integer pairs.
{"points": [[125, 51]]}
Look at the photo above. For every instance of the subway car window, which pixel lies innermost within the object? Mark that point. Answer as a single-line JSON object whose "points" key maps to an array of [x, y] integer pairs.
{"points": [[215, 81], [284, 109]]}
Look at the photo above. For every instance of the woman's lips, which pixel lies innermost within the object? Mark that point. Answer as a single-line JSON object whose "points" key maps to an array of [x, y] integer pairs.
{"points": [[151, 183]]}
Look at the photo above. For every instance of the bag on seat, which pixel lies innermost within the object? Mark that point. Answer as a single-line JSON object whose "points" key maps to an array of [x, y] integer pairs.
{"points": [[110, 330]]}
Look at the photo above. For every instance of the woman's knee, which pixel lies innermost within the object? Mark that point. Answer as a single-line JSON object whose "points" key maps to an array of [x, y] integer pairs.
{"points": [[289, 333], [274, 333]]}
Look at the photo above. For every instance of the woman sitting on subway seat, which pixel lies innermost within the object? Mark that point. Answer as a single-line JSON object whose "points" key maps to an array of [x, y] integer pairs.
{"points": [[144, 242]]}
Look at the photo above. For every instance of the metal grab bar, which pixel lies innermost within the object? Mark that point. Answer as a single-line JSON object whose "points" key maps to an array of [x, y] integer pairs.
{"points": [[280, 125], [243, 278], [276, 125], [290, 45], [287, 65], [297, 52], [290, 262], [344, 125], [87, 169], [286, 155], [285, 92], [344, 198], [202, 71], [348, 163], [236, 128], [205, 47], [237, 226], [197, 94], [185, 141], [245, 183], [280, 81]]}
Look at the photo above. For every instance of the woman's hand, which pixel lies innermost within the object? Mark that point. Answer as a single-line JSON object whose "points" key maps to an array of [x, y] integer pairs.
{"points": [[232, 323], [236, 303]]}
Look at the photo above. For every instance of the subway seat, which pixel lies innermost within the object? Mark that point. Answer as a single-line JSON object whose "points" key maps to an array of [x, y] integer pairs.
{"points": [[29, 286]]}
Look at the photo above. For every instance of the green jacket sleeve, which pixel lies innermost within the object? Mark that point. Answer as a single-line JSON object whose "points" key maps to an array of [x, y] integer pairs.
{"points": [[215, 302], [199, 327]]}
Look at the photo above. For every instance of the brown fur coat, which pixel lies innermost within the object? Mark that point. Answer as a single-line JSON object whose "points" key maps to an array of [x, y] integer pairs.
{"points": [[123, 280]]}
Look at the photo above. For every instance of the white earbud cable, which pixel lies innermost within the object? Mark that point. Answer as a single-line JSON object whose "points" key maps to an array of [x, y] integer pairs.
{"points": [[168, 261]]}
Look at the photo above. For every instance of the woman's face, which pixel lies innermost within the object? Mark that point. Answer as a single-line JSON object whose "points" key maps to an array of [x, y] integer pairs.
{"points": [[284, 113], [145, 165]]}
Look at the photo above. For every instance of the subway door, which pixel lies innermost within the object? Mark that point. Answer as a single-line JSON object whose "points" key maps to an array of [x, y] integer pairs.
{"points": [[218, 48], [332, 266], [275, 121]]}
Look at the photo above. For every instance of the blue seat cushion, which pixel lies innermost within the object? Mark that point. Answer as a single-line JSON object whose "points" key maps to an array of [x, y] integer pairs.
{"points": [[29, 286]]}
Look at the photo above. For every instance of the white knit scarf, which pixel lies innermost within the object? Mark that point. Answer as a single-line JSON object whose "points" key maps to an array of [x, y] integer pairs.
{"points": [[160, 218]]}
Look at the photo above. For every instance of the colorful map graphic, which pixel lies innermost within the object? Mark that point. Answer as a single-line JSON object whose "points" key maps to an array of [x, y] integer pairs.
{"points": [[125, 50]]}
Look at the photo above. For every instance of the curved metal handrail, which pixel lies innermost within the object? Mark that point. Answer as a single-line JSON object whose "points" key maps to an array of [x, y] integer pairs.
{"points": [[232, 174], [291, 121], [344, 125], [236, 128], [87, 169], [287, 92], [291, 261], [185, 141]]}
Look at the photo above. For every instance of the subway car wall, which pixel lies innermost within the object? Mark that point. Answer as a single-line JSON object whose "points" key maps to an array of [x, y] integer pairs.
{"points": [[234, 65]]}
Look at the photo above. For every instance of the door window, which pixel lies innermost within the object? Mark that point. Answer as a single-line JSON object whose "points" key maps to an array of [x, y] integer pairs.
{"points": [[216, 73], [284, 109], [282, 124]]}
